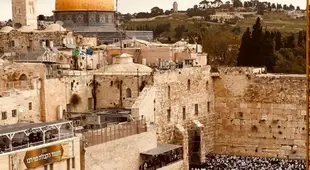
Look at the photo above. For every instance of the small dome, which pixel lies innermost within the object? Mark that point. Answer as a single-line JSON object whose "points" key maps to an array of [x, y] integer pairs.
{"points": [[54, 28], [26, 29], [124, 65], [6, 29]]}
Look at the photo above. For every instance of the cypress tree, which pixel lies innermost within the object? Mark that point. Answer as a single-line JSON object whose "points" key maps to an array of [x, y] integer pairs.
{"points": [[257, 37], [245, 49], [278, 41]]}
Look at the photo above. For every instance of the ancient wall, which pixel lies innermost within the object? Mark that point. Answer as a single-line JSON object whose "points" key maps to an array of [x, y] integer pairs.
{"points": [[60, 92], [183, 96], [20, 106], [144, 105], [259, 114], [120, 154], [29, 42], [112, 87]]}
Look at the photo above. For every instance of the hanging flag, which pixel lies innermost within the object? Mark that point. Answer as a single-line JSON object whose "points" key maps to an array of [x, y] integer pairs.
{"points": [[75, 52], [89, 52], [82, 52]]}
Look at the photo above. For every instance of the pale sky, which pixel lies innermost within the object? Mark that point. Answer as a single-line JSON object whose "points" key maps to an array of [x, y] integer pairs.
{"points": [[126, 6]]}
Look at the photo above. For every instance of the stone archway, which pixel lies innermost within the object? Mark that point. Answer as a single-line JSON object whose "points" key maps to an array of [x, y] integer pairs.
{"points": [[23, 77]]}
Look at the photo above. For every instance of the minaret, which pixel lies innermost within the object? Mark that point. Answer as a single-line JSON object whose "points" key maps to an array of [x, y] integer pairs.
{"points": [[25, 12]]}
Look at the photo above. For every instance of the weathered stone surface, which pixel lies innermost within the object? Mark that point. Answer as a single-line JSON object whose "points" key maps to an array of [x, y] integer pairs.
{"points": [[264, 112]]}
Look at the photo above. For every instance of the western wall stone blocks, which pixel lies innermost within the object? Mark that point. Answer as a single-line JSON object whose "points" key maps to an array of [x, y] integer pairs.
{"points": [[275, 109]]}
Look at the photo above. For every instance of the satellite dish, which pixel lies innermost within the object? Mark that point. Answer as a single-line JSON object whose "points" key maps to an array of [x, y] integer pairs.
{"points": [[17, 25], [60, 23]]}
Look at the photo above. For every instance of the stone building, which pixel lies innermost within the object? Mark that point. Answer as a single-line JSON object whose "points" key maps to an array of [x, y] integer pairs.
{"points": [[94, 17], [25, 12], [238, 111]]}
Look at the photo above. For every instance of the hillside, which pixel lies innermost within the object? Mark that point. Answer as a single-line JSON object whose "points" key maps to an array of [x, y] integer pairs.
{"points": [[276, 20], [272, 20]]}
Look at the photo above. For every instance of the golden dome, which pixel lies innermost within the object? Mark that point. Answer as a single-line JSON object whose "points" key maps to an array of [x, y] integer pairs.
{"points": [[84, 5]]}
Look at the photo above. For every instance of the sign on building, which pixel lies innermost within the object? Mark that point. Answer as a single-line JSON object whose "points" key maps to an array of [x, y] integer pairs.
{"points": [[47, 155]]}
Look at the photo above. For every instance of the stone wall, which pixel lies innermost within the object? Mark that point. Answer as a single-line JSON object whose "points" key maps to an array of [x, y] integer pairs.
{"points": [[113, 91], [144, 105], [59, 92], [189, 88], [259, 114], [18, 102], [120, 154], [29, 42], [186, 97]]}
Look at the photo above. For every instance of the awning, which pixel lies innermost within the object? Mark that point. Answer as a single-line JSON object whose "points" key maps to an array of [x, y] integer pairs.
{"points": [[161, 148]]}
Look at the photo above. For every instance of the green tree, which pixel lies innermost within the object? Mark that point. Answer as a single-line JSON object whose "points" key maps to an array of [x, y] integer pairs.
{"points": [[224, 47], [245, 49], [257, 37], [287, 62], [278, 41], [155, 11]]}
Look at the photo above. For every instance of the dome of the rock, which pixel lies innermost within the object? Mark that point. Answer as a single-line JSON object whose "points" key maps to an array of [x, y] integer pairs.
{"points": [[84, 5]]}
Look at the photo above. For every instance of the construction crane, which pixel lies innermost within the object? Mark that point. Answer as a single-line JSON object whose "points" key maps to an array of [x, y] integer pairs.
{"points": [[307, 83]]}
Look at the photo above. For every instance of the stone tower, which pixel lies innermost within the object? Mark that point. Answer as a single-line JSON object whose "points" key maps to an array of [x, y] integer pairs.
{"points": [[175, 7], [25, 12]]}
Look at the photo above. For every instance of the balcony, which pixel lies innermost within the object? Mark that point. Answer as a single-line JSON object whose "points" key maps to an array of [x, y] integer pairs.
{"points": [[25, 135]]}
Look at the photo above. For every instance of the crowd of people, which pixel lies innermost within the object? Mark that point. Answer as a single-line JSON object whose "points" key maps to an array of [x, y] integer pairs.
{"points": [[225, 162]]}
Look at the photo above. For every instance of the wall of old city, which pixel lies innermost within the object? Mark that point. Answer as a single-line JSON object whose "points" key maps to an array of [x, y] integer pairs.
{"points": [[118, 90], [59, 94], [24, 42], [259, 114], [144, 105], [120, 154], [184, 96], [20, 106]]}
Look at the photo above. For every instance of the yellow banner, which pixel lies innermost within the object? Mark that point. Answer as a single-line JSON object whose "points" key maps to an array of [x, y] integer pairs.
{"points": [[46, 155]]}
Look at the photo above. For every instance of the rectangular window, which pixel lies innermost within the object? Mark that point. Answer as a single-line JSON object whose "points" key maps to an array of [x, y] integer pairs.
{"points": [[169, 115], [4, 115], [90, 103], [68, 107], [12, 43], [14, 113], [30, 106], [208, 106], [68, 164], [196, 109], [73, 162], [184, 113]]}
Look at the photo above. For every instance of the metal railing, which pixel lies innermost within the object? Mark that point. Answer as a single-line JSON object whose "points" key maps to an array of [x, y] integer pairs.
{"points": [[28, 145], [113, 132]]}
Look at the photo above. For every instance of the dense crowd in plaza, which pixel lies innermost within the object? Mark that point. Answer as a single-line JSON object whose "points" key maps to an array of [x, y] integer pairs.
{"points": [[225, 162]]}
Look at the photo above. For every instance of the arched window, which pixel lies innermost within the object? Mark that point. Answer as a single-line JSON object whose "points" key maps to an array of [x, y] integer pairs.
{"points": [[23, 77], [188, 84], [128, 93]]}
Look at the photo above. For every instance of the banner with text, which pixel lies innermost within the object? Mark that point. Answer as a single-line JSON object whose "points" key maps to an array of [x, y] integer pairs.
{"points": [[46, 155]]}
